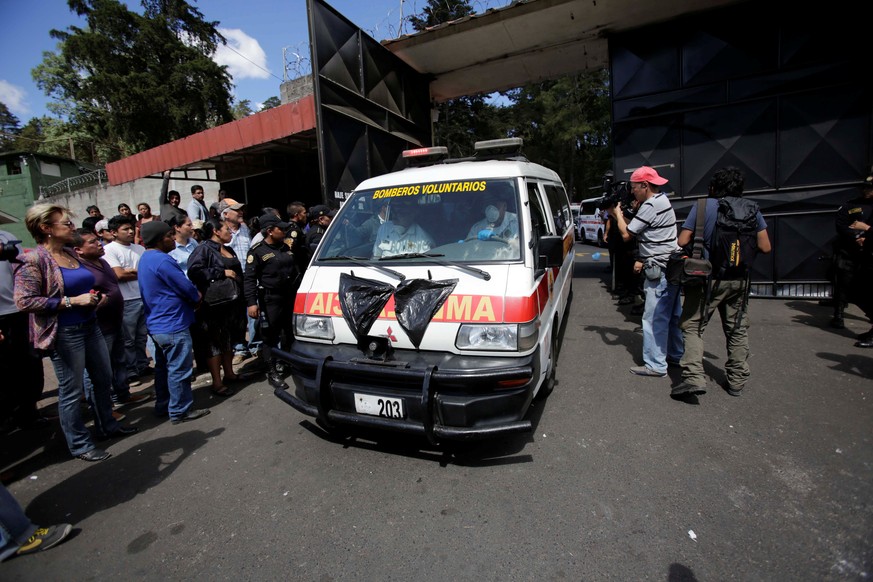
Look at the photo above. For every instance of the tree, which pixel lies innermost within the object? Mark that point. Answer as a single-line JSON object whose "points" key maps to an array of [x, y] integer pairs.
{"points": [[135, 81], [242, 109], [9, 128], [270, 102], [565, 124]]}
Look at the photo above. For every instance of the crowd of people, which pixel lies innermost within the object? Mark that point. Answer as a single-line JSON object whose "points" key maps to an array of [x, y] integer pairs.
{"points": [[127, 298]]}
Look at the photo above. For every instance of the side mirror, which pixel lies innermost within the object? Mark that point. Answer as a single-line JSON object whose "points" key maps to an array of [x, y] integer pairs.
{"points": [[551, 252]]}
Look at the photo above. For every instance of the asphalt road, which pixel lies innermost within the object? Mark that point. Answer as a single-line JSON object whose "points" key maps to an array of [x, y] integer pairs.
{"points": [[616, 482]]}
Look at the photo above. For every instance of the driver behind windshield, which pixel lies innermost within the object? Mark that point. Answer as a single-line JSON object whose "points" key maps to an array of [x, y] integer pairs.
{"points": [[498, 223], [401, 234]]}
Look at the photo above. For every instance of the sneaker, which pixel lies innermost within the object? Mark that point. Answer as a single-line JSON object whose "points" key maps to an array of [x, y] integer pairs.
{"points": [[687, 388], [45, 538], [134, 381], [647, 371], [118, 416], [191, 415]]}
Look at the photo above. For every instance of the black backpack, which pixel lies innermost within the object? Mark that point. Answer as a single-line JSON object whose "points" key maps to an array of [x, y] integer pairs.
{"points": [[735, 245]]}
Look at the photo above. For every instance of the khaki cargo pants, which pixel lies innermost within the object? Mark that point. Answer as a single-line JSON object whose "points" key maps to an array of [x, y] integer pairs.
{"points": [[727, 298]]}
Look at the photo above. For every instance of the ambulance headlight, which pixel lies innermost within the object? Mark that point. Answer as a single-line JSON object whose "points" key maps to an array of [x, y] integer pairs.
{"points": [[314, 326], [508, 337]]}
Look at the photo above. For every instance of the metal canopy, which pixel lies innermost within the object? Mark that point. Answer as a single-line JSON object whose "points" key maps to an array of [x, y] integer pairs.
{"points": [[234, 150], [528, 41]]}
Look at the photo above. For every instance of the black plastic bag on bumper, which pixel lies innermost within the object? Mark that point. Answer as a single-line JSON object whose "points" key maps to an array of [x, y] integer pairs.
{"points": [[361, 301], [416, 301]]}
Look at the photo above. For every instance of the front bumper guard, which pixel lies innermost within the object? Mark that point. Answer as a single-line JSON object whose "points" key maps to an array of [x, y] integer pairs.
{"points": [[429, 379]]}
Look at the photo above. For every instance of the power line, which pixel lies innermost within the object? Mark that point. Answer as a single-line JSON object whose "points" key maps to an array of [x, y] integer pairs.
{"points": [[251, 61]]}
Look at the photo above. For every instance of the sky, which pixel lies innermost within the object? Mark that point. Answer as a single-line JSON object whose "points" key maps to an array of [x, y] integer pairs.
{"points": [[257, 31]]}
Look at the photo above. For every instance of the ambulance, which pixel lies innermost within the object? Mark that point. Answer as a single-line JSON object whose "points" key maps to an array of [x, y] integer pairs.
{"points": [[433, 304]]}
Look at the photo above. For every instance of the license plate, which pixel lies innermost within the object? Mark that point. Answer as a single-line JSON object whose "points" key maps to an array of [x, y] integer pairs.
{"points": [[379, 406]]}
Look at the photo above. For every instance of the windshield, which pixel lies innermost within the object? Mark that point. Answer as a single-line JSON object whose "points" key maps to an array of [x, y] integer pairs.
{"points": [[462, 221]]}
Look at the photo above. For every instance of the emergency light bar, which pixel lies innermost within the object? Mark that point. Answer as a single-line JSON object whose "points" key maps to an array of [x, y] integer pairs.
{"points": [[423, 156], [499, 147]]}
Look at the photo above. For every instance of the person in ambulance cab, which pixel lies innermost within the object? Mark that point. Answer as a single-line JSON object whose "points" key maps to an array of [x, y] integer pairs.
{"points": [[498, 223], [401, 234]]}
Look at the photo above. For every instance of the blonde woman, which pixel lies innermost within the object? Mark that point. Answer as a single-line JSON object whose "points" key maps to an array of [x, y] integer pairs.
{"points": [[58, 293]]}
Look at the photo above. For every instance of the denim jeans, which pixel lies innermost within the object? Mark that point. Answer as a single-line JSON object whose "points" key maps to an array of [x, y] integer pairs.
{"points": [[173, 363], [77, 348], [254, 340], [662, 337], [135, 334], [15, 527], [118, 361]]}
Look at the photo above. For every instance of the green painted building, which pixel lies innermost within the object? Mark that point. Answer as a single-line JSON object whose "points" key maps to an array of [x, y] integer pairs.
{"points": [[23, 176]]}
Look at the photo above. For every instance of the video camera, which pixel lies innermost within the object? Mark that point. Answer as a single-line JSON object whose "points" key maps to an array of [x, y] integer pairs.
{"points": [[9, 250], [615, 192]]}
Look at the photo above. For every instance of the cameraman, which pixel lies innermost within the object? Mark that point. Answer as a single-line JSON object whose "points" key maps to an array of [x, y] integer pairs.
{"points": [[654, 227], [19, 399]]}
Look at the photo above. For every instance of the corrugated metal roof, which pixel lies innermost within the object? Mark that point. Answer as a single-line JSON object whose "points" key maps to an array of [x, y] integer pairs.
{"points": [[231, 138]]}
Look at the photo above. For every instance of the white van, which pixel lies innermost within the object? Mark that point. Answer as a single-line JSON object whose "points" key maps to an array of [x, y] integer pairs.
{"points": [[591, 223], [433, 303]]}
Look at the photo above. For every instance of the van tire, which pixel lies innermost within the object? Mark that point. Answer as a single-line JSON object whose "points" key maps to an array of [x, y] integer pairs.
{"points": [[549, 383], [600, 238]]}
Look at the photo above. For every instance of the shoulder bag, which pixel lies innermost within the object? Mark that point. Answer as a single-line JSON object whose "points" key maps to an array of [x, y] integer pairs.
{"points": [[691, 271]]}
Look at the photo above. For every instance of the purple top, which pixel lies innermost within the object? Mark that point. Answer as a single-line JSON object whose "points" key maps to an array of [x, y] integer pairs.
{"points": [[109, 316]]}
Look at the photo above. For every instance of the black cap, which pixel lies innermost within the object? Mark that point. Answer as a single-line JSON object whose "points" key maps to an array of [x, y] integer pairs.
{"points": [[153, 231], [271, 221], [319, 210]]}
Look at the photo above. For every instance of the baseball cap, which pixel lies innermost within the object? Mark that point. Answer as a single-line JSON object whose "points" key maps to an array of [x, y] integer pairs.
{"points": [[102, 225], [229, 203], [271, 221], [647, 174]]}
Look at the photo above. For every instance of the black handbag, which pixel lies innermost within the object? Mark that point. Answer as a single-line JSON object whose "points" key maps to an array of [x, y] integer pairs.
{"points": [[221, 291], [691, 271]]}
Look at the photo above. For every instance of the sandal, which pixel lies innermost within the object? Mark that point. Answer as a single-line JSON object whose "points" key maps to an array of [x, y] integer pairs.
{"points": [[224, 391]]}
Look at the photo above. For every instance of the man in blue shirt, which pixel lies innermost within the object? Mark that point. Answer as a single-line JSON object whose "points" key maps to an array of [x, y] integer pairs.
{"points": [[169, 299], [728, 296]]}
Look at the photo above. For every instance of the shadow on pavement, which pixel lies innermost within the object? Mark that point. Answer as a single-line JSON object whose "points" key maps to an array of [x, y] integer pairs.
{"points": [[118, 479], [812, 314], [850, 363]]}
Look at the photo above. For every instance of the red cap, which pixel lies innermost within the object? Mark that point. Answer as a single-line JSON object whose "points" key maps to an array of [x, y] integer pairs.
{"points": [[647, 174]]}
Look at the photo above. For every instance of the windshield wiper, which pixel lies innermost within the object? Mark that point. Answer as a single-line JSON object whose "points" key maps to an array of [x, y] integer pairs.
{"points": [[363, 261], [434, 258]]}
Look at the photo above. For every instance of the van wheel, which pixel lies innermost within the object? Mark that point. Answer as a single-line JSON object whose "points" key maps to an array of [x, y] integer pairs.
{"points": [[600, 238], [549, 383]]}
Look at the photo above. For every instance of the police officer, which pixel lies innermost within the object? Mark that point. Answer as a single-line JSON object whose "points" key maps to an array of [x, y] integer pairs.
{"points": [[295, 236], [850, 265], [319, 218], [270, 279]]}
